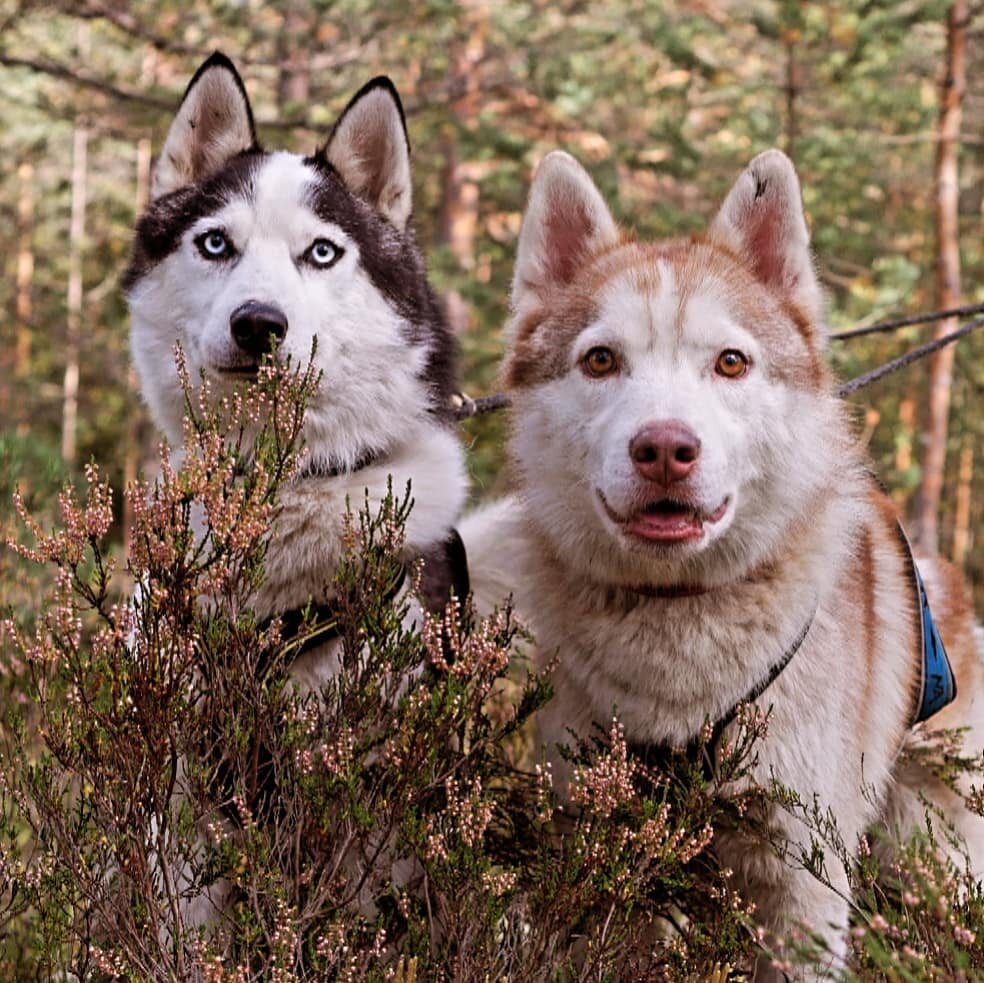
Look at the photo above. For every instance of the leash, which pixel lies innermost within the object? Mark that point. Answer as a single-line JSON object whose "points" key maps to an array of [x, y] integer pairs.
{"points": [[464, 407], [703, 753]]}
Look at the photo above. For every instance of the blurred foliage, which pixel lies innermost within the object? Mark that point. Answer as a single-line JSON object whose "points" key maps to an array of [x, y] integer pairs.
{"points": [[663, 102]]}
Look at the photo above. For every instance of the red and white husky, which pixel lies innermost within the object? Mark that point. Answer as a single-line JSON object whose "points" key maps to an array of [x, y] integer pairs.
{"points": [[695, 520]]}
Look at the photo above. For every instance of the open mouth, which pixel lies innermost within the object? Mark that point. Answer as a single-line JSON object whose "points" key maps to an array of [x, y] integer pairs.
{"points": [[666, 520]]}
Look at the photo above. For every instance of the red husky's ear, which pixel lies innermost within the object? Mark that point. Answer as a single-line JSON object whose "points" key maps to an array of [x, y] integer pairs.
{"points": [[566, 222], [214, 123], [762, 218]]}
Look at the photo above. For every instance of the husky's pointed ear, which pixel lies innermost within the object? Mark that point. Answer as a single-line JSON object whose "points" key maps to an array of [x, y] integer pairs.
{"points": [[371, 152], [762, 217], [213, 124], [566, 222]]}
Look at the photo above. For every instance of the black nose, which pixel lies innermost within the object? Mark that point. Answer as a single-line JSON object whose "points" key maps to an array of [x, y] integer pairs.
{"points": [[258, 328]]}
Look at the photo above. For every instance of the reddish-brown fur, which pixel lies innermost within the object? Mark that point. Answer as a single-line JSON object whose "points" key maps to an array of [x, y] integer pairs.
{"points": [[540, 350]]}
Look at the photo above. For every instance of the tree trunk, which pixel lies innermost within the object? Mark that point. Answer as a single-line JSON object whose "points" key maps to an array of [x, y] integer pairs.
{"points": [[458, 224], [294, 83], [137, 422], [903, 444], [947, 274], [76, 235], [961, 519], [791, 89], [24, 277], [459, 196]]}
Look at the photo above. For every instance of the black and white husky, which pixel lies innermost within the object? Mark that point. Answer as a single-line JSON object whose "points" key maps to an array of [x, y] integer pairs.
{"points": [[245, 253], [244, 250]]}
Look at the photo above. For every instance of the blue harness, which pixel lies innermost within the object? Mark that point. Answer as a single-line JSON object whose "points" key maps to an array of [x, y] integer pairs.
{"points": [[937, 686]]}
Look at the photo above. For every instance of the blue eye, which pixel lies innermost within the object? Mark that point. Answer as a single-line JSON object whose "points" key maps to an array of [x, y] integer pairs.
{"points": [[323, 253], [214, 244]]}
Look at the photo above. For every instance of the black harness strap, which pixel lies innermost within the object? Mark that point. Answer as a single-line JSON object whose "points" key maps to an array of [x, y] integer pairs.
{"points": [[704, 753], [445, 573], [305, 628], [312, 625]]}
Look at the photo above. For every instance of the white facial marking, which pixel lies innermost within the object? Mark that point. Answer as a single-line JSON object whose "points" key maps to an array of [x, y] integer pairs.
{"points": [[581, 481], [283, 255]]}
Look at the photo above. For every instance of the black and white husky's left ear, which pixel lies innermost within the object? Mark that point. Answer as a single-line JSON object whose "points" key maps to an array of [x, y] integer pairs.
{"points": [[370, 150], [214, 123], [762, 217]]}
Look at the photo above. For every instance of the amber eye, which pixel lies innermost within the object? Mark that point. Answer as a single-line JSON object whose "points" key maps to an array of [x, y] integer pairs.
{"points": [[599, 362], [731, 364]]}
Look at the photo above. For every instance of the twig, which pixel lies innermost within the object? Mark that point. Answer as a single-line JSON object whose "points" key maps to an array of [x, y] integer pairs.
{"points": [[908, 357], [57, 70], [439, 96], [465, 408], [904, 322]]}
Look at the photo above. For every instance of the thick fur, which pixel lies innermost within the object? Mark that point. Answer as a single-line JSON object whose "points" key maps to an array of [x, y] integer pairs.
{"points": [[381, 343], [793, 527], [382, 346]]}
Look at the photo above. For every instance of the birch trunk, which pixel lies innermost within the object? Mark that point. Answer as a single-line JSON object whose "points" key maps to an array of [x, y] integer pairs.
{"points": [[24, 307], [947, 274], [73, 340]]}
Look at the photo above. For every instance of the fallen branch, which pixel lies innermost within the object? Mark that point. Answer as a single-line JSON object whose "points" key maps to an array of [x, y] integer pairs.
{"points": [[442, 95]]}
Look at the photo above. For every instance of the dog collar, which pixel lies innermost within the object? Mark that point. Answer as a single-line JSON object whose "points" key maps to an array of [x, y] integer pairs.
{"points": [[937, 684], [704, 753], [328, 470], [324, 469], [673, 590]]}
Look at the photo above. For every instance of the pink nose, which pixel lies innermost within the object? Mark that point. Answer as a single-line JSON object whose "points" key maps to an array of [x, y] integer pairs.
{"points": [[665, 452]]}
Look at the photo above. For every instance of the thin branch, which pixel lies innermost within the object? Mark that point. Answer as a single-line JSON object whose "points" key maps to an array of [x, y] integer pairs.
{"points": [[57, 70], [465, 408], [904, 322], [129, 25], [903, 360], [427, 100]]}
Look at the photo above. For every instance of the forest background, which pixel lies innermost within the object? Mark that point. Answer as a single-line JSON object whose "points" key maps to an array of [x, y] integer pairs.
{"points": [[879, 102]]}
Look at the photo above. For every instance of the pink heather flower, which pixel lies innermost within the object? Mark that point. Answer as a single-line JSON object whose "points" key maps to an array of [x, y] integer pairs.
{"points": [[606, 783]]}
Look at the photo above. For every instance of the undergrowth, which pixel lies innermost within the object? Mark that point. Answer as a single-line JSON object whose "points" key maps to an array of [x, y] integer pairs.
{"points": [[173, 806]]}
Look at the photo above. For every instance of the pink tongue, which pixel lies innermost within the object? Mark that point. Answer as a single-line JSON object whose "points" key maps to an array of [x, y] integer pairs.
{"points": [[663, 527]]}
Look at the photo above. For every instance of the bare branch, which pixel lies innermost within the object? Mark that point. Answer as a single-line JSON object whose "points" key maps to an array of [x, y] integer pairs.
{"points": [[57, 70], [903, 360], [904, 322]]}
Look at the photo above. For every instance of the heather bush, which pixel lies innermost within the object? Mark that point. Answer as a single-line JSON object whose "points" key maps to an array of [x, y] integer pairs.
{"points": [[394, 825]]}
